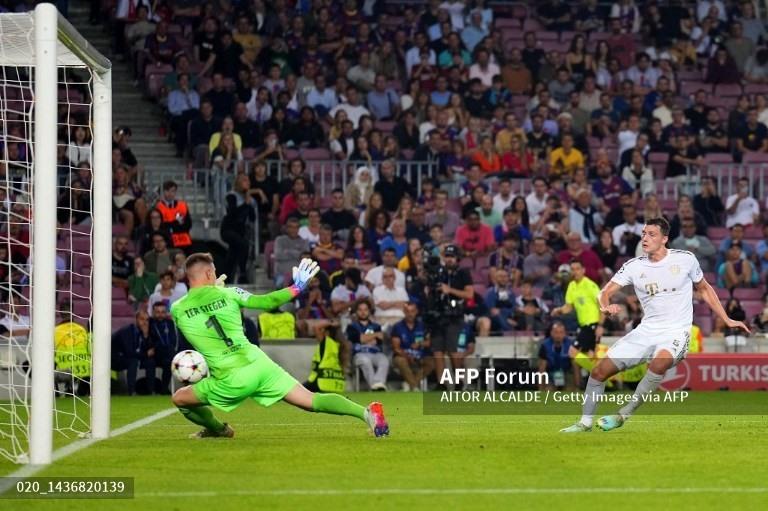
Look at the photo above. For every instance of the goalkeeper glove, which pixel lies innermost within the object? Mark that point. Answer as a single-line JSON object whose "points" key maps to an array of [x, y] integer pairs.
{"points": [[304, 273]]}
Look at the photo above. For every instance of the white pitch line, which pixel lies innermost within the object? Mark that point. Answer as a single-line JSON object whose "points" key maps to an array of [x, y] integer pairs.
{"points": [[449, 491], [78, 445]]}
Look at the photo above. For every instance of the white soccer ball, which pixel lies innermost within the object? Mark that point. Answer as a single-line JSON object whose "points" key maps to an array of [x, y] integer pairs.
{"points": [[189, 366]]}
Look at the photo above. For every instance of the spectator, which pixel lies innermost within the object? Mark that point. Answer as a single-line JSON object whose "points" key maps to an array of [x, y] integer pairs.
{"points": [[608, 187], [722, 68], [638, 174], [566, 158], [500, 300], [576, 250], [583, 218], [359, 249], [396, 240], [314, 304], [327, 253], [736, 237], [449, 220], [168, 292], [642, 74], [201, 130], [307, 132], [351, 107], [391, 187], [338, 216], [762, 249], [699, 245], [475, 32], [487, 157], [736, 271], [359, 191], [554, 358], [474, 238], [740, 207], [320, 97], [529, 309], [411, 348], [382, 100], [141, 283], [164, 339], [390, 299], [536, 201], [626, 236], [488, 215], [122, 264], [607, 252], [289, 248], [739, 47], [132, 349], [508, 258], [311, 231], [708, 204], [388, 260], [537, 265], [344, 295], [235, 226], [361, 75], [221, 99], [160, 258], [416, 227], [367, 338], [183, 107]]}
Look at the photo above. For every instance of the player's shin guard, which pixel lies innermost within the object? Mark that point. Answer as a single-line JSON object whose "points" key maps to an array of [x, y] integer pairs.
{"points": [[337, 405], [645, 388], [592, 394], [202, 416]]}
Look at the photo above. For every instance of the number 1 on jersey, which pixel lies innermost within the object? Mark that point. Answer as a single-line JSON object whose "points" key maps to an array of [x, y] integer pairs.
{"points": [[213, 322]]}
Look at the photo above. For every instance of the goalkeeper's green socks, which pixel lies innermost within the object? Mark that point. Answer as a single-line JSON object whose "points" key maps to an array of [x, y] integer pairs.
{"points": [[202, 416], [337, 405]]}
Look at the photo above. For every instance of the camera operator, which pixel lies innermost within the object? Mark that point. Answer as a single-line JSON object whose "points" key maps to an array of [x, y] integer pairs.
{"points": [[447, 288]]}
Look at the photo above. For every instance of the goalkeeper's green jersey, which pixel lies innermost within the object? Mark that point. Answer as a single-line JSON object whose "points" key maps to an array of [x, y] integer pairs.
{"points": [[209, 317]]}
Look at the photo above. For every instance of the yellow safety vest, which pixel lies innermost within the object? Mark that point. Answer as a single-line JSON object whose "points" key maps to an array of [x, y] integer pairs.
{"points": [[696, 345], [277, 325], [326, 367]]}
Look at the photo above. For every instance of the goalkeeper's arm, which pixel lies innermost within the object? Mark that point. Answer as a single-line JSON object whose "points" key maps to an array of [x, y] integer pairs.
{"points": [[273, 300]]}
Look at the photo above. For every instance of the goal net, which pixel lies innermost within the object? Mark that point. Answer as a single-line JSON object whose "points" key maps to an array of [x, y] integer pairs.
{"points": [[55, 233]]}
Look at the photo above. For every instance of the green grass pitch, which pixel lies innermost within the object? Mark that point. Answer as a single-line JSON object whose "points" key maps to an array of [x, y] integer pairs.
{"points": [[283, 458]]}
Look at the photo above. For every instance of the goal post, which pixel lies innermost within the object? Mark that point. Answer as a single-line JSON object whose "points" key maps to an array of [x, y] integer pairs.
{"points": [[44, 43]]}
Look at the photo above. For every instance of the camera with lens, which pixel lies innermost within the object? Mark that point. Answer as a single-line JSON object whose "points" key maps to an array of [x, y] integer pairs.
{"points": [[439, 305]]}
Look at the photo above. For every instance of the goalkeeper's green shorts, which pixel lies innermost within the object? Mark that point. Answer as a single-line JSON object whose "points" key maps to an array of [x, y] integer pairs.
{"points": [[262, 380]]}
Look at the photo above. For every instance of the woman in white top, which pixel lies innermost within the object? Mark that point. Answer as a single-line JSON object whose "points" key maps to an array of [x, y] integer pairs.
{"points": [[311, 231], [80, 146]]}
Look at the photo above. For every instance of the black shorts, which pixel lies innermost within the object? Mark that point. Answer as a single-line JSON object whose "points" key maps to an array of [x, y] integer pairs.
{"points": [[445, 335], [586, 338]]}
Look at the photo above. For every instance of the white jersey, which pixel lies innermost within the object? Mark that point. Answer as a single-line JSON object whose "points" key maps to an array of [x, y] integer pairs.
{"points": [[664, 288]]}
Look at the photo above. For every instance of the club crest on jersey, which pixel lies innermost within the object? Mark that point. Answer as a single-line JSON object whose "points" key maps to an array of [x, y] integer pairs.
{"points": [[674, 269]]}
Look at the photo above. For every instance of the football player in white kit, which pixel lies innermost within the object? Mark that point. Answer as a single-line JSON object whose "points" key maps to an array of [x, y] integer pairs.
{"points": [[663, 280]]}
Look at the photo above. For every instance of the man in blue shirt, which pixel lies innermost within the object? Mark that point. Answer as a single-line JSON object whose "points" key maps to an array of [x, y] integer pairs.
{"points": [[382, 100], [410, 345], [500, 301], [366, 338], [554, 359]]}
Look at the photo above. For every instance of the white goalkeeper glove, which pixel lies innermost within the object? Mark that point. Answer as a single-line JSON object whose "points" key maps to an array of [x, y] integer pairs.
{"points": [[304, 273], [220, 281]]}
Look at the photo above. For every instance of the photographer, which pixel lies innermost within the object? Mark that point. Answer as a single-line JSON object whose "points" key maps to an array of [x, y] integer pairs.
{"points": [[447, 288]]}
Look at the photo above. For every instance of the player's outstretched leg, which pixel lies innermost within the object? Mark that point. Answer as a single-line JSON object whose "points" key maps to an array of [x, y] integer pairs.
{"points": [[197, 413], [373, 414], [595, 388], [650, 382]]}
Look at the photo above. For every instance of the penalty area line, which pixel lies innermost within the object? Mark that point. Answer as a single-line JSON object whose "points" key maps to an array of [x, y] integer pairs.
{"points": [[79, 445], [449, 491]]}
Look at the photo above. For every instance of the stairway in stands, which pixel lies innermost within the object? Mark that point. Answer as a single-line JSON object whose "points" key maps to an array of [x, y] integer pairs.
{"points": [[131, 109]]}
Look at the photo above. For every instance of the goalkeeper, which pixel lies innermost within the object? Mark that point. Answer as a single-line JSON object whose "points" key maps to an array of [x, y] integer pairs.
{"points": [[209, 317]]}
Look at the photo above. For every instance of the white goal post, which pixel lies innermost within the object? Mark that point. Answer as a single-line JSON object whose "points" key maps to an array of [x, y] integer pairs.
{"points": [[48, 42]]}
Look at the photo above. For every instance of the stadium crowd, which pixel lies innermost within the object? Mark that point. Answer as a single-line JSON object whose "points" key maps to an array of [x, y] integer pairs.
{"points": [[545, 133]]}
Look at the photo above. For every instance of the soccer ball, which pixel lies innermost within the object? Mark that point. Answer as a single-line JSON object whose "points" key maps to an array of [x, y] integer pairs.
{"points": [[189, 366]]}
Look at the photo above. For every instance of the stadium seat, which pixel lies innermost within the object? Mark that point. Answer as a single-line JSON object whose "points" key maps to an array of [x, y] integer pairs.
{"points": [[748, 293], [718, 158], [728, 90], [755, 158]]}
